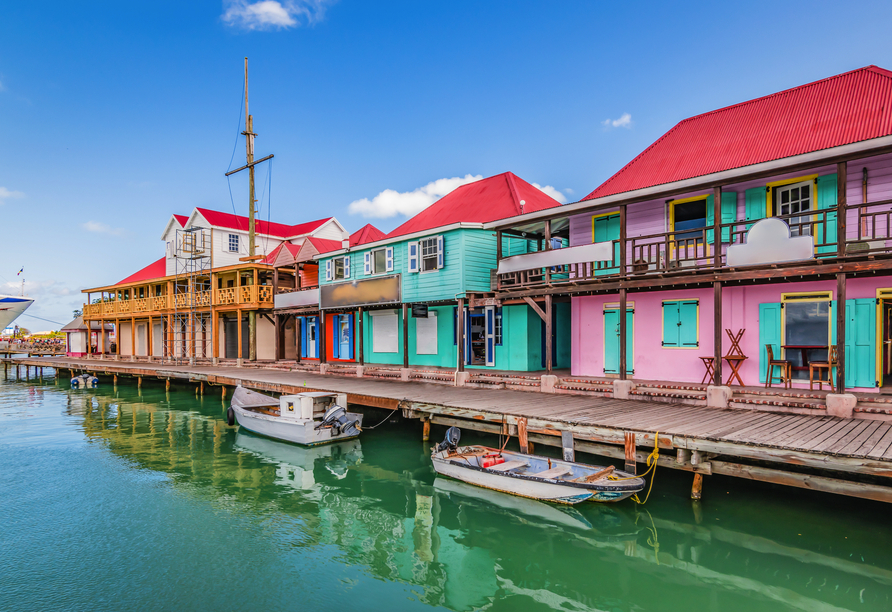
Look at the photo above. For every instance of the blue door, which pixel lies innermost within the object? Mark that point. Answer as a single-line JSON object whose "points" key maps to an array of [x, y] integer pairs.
{"points": [[345, 335], [611, 341]]}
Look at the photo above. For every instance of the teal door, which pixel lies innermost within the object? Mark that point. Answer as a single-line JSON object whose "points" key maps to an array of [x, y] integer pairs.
{"points": [[861, 341], [611, 341], [605, 229]]}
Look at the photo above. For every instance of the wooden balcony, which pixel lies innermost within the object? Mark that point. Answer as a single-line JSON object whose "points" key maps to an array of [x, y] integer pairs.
{"points": [[258, 296], [692, 252]]}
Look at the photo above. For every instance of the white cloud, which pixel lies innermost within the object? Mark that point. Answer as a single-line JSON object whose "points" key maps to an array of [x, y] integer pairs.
{"points": [[102, 228], [7, 194], [624, 121], [551, 191], [272, 14], [390, 203]]}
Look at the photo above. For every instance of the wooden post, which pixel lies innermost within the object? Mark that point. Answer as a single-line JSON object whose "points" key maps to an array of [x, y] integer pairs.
{"points": [[323, 349], [223, 391], [717, 233], [425, 430], [149, 334], [139, 382], [280, 340], [167, 384], [697, 488], [239, 326], [360, 338], [522, 436], [298, 338], [841, 205], [405, 335], [549, 335], [569, 452], [841, 332], [252, 319], [547, 248], [622, 335], [717, 331], [201, 388], [215, 333], [460, 334], [132, 338], [631, 463], [115, 380]]}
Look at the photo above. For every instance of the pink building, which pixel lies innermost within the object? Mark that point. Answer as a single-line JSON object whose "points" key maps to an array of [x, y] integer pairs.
{"points": [[765, 215]]}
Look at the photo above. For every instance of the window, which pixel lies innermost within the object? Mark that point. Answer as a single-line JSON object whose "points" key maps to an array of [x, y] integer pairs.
{"points": [[806, 329], [680, 318], [233, 243], [792, 199], [429, 254], [426, 334], [379, 261], [498, 326], [689, 215], [337, 268], [385, 331]]}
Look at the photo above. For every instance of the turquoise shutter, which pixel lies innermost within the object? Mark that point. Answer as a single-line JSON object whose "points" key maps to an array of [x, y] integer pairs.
{"points": [[861, 327], [729, 212], [825, 191], [335, 336], [687, 316], [769, 333], [710, 218], [606, 229], [755, 207], [670, 324]]}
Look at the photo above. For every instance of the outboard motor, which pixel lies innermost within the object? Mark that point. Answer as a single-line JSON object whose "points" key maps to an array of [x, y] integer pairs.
{"points": [[336, 418], [450, 442]]}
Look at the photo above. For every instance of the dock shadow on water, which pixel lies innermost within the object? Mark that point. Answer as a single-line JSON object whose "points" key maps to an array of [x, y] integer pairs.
{"points": [[121, 498]]}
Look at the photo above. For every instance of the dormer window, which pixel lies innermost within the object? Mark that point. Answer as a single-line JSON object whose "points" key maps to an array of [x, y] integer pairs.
{"points": [[233, 243]]}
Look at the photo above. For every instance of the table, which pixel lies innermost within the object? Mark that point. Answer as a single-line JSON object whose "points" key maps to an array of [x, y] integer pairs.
{"points": [[803, 351], [709, 364], [734, 362]]}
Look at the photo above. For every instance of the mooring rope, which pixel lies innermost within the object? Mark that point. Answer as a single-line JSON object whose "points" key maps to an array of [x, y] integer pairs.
{"points": [[652, 460]]}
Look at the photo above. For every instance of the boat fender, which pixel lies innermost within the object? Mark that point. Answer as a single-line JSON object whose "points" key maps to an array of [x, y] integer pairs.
{"points": [[490, 460], [230, 416]]}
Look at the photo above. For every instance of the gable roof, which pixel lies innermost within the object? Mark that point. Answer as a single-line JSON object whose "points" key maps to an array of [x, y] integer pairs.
{"points": [[280, 230], [282, 255], [323, 245], [157, 269], [367, 233], [182, 219], [489, 199], [842, 109]]}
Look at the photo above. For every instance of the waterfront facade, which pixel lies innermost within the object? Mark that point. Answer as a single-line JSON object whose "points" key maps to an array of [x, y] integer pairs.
{"points": [[409, 295], [738, 231]]}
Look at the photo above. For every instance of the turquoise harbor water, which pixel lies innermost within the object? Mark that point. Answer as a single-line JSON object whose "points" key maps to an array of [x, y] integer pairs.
{"points": [[119, 499]]}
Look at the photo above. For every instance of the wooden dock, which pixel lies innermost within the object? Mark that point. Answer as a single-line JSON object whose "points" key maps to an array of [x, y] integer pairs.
{"points": [[822, 453]]}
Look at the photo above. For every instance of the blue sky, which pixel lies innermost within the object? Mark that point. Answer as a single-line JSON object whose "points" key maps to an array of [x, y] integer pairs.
{"points": [[116, 114]]}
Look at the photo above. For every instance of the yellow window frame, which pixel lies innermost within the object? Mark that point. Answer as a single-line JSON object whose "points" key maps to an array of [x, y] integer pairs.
{"points": [[607, 214], [800, 179], [663, 324], [672, 204], [882, 294], [807, 296]]}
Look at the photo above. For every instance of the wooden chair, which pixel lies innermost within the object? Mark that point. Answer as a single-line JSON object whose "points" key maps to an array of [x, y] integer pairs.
{"points": [[786, 369], [832, 360]]}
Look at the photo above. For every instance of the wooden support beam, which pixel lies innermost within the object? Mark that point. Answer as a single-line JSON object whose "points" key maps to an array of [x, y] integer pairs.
{"points": [[522, 436], [629, 444], [460, 335], [425, 430], [841, 332], [139, 382], [549, 335], [841, 204], [167, 384], [280, 334], [223, 391], [697, 488], [717, 227], [623, 374], [567, 445], [532, 304], [717, 328], [405, 335], [239, 328]]}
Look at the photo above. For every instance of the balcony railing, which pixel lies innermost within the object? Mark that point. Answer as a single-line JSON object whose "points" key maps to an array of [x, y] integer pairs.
{"points": [[869, 231], [180, 301]]}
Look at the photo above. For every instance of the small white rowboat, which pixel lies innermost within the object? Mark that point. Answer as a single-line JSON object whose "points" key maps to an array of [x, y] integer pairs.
{"points": [[532, 476]]}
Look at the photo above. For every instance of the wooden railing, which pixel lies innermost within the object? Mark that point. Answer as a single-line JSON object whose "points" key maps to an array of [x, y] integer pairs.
{"points": [[182, 301], [685, 251]]}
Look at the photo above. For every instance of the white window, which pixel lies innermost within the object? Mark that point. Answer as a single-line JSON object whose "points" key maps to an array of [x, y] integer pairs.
{"points": [[498, 331], [429, 254], [426, 334], [340, 268], [385, 331], [379, 261], [796, 198], [233, 243]]}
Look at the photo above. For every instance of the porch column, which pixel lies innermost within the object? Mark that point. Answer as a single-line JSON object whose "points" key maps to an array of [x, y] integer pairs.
{"points": [[623, 375], [717, 328], [498, 259], [298, 337], [547, 247], [360, 338], [460, 334], [841, 204], [322, 338], [252, 320], [280, 340], [132, 338], [840, 331], [405, 335], [549, 332], [622, 240], [149, 334], [717, 235], [239, 354]]}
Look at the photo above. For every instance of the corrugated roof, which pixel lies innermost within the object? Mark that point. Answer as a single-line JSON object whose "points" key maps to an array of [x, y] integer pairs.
{"points": [[489, 199], [291, 248], [367, 233], [154, 270], [325, 246], [843, 109], [182, 219], [281, 230]]}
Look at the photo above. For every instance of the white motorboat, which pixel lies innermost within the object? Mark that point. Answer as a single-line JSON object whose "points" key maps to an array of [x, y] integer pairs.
{"points": [[11, 306], [541, 478], [305, 418]]}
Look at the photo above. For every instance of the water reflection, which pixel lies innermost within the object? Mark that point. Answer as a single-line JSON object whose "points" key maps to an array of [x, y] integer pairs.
{"points": [[375, 503]]}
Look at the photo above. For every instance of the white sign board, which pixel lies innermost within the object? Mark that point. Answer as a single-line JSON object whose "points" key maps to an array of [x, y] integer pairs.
{"points": [[599, 251]]}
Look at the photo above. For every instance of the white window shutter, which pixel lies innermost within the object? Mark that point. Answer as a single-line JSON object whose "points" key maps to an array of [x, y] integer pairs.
{"points": [[440, 252], [388, 255], [368, 262], [413, 256], [328, 270], [346, 266]]}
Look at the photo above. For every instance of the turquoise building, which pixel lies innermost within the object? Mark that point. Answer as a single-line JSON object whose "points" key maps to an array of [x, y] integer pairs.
{"points": [[409, 289]]}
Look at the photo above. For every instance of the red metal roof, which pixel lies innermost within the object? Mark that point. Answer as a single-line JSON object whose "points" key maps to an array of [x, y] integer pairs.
{"points": [[489, 199], [182, 219], [152, 271], [846, 108], [222, 219], [325, 246], [291, 248], [367, 233]]}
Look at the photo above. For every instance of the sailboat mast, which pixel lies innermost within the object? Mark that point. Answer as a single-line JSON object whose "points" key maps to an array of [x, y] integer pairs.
{"points": [[249, 146]]}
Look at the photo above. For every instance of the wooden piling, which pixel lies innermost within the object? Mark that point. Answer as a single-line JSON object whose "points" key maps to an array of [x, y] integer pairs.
{"points": [[631, 464], [201, 388], [139, 382], [522, 436], [425, 430], [115, 380], [697, 489], [223, 389], [569, 452], [167, 385]]}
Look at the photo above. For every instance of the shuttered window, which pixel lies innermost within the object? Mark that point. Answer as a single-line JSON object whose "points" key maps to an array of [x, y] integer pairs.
{"points": [[680, 320]]}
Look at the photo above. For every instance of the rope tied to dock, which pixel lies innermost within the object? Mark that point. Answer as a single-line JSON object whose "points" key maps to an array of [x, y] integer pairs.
{"points": [[652, 460], [398, 406]]}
